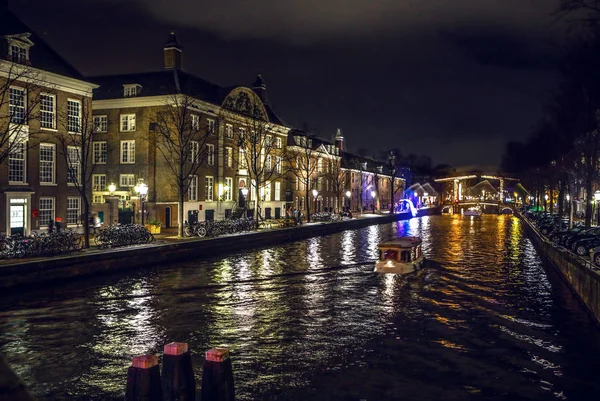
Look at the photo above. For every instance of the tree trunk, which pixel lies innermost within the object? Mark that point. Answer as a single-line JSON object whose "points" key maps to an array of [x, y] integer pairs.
{"points": [[86, 221], [588, 204], [561, 200], [307, 204], [180, 212]]}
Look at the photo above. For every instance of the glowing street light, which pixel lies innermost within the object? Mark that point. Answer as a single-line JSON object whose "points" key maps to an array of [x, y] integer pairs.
{"points": [[348, 194], [141, 189], [112, 188], [315, 193], [373, 193]]}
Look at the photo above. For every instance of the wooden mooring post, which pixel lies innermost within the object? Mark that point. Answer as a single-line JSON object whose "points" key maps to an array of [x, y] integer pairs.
{"points": [[217, 376], [178, 380], [143, 379]]}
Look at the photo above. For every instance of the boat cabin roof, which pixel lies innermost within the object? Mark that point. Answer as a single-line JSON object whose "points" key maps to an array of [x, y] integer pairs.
{"points": [[402, 242]]}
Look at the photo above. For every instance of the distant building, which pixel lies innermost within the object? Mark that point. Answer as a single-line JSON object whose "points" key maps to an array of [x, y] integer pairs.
{"points": [[43, 97]]}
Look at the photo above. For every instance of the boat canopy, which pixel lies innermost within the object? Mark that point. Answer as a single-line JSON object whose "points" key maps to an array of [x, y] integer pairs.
{"points": [[403, 242]]}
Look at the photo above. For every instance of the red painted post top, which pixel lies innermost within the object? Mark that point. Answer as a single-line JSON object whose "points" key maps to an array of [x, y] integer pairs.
{"points": [[144, 361], [217, 354], [176, 348]]}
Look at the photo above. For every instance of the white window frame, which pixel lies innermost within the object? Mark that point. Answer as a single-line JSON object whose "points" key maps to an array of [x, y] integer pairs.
{"points": [[194, 152], [193, 189], [277, 191], [209, 183], [267, 192], [17, 105], [229, 131], [47, 111], [229, 183], [210, 126], [74, 119], [42, 210], [242, 162], [17, 157], [99, 152], [131, 90], [278, 162], [268, 163], [51, 163], [21, 53], [77, 200], [278, 142], [100, 123], [73, 164], [228, 156], [127, 180], [99, 183], [130, 143], [210, 154], [195, 121], [127, 122]]}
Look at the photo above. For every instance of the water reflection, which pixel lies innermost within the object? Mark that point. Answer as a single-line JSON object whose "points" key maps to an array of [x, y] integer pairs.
{"points": [[309, 320]]}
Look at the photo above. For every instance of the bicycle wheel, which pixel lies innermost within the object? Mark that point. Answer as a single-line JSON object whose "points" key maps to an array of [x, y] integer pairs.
{"points": [[187, 230], [201, 232]]}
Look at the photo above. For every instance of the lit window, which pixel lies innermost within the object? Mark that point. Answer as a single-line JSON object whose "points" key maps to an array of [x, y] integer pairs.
{"points": [[278, 142], [243, 163], [210, 154], [195, 122], [228, 157], [193, 189], [127, 180], [229, 131], [210, 126], [131, 90], [277, 191], [208, 189], [278, 164], [228, 184], [194, 152]]}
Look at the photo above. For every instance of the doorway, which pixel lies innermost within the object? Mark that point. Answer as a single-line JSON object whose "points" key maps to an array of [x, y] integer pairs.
{"points": [[168, 217], [17, 218]]}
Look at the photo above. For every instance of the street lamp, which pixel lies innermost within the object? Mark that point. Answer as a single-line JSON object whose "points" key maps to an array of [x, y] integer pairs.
{"points": [[546, 203], [244, 194], [315, 193], [112, 188], [141, 189]]}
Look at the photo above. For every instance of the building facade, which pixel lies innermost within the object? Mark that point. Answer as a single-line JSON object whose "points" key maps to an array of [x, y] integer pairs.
{"points": [[43, 103]]}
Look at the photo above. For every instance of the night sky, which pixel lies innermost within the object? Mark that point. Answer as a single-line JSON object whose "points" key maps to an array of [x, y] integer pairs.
{"points": [[454, 79]]}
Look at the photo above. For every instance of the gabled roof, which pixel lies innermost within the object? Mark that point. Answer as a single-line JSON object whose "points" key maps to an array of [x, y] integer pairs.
{"points": [[41, 55], [429, 189]]}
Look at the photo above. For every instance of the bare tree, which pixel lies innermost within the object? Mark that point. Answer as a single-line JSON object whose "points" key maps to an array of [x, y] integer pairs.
{"points": [[77, 149], [20, 96], [339, 179], [393, 164], [259, 155], [302, 165], [179, 137]]}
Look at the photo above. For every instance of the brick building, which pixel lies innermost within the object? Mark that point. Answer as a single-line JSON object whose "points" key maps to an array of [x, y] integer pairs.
{"points": [[42, 98]]}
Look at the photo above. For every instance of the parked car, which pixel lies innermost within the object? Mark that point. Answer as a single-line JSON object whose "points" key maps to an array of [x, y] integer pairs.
{"points": [[558, 236], [595, 256], [572, 240], [583, 246]]}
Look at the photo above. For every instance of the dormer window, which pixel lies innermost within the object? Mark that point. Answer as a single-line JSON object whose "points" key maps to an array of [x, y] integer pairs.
{"points": [[18, 48], [131, 90]]}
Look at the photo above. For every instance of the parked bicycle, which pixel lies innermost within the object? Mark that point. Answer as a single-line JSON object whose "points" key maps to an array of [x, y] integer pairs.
{"points": [[123, 235]]}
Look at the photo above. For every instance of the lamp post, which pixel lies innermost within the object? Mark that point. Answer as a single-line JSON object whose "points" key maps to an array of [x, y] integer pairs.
{"points": [[315, 193], [348, 195], [546, 203], [141, 189], [597, 198]]}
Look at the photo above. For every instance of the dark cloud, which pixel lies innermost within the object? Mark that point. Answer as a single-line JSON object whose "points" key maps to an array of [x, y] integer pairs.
{"points": [[453, 79]]}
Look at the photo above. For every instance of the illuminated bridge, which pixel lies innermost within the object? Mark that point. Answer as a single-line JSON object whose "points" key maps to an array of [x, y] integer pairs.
{"points": [[492, 193]]}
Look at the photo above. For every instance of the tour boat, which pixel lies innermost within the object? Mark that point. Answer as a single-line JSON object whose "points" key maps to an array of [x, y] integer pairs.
{"points": [[402, 255], [472, 211]]}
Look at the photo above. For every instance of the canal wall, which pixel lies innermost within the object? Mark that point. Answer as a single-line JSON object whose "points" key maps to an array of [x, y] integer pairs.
{"points": [[579, 273], [56, 269]]}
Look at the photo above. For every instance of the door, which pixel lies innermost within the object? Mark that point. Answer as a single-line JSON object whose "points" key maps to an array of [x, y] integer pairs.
{"points": [[168, 217], [17, 219]]}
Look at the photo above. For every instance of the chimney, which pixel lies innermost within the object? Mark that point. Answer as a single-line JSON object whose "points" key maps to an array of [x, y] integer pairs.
{"points": [[172, 52], [339, 140], [260, 88]]}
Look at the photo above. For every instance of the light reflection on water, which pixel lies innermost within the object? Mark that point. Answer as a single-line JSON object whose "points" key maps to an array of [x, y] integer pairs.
{"points": [[310, 320]]}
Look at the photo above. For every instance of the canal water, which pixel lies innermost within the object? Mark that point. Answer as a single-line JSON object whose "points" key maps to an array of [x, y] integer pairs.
{"points": [[309, 321]]}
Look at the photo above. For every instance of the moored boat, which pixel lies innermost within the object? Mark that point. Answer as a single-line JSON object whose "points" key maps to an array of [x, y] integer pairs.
{"points": [[402, 255], [472, 211]]}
